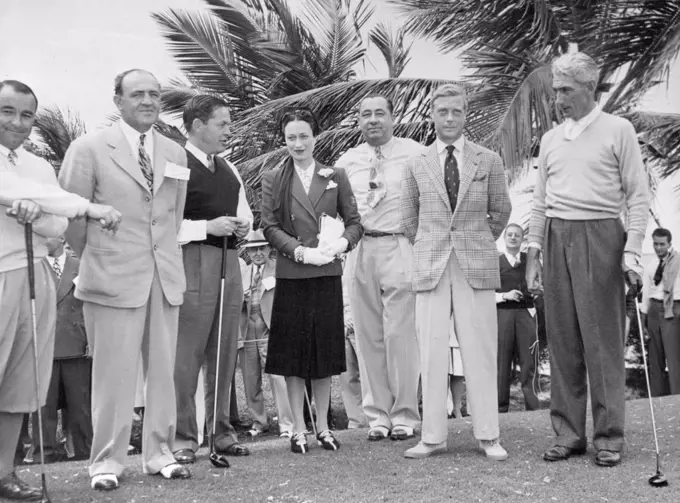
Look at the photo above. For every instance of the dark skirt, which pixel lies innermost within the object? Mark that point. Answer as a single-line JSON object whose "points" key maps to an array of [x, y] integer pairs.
{"points": [[307, 336]]}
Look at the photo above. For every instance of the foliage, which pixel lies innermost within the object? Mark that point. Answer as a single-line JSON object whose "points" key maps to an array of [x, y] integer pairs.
{"points": [[392, 46], [56, 129]]}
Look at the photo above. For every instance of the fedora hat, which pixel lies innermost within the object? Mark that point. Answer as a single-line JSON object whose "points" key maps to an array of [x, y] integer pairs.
{"points": [[254, 238]]}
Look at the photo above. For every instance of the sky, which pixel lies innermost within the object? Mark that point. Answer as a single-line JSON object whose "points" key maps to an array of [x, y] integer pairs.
{"points": [[69, 51]]}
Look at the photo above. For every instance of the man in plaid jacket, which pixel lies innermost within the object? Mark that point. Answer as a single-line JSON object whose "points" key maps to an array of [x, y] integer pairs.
{"points": [[454, 205]]}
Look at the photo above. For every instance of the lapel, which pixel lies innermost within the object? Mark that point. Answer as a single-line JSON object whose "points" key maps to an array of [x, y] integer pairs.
{"points": [[67, 276], [318, 186], [298, 192], [123, 156], [467, 174], [436, 172], [159, 160]]}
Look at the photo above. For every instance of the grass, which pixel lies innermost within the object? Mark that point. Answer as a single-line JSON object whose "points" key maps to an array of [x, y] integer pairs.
{"points": [[363, 472]]}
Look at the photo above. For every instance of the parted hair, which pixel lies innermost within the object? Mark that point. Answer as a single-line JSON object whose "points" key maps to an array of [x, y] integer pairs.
{"points": [[517, 226], [118, 80], [578, 66], [201, 107], [19, 87], [448, 90], [300, 114], [375, 94], [661, 232]]}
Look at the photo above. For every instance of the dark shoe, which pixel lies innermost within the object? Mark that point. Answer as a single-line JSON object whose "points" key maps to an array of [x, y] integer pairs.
{"points": [[328, 441], [175, 471], [104, 482], [235, 449], [185, 457], [298, 443], [378, 433], [401, 433], [15, 489], [561, 453], [607, 458]]}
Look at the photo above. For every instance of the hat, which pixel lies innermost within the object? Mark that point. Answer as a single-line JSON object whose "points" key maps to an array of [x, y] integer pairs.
{"points": [[254, 238]]}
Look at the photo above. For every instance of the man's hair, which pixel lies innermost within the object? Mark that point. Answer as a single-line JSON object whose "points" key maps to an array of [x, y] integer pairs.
{"points": [[201, 107], [374, 94], [118, 81], [578, 66], [513, 225], [660, 232], [20, 88], [448, 90]]}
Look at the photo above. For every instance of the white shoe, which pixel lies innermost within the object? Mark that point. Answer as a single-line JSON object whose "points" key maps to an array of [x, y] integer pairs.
{"points": [[104, 482], [422, 450], [285, 434], [493, 450]]}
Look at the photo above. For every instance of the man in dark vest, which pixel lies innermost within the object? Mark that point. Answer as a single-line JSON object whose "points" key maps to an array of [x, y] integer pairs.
{"points": [[517, 334], [216, 207]]}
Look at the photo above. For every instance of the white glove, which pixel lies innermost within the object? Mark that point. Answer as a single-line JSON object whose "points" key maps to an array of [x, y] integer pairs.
{"points": [[315, 257], [334, 248]]}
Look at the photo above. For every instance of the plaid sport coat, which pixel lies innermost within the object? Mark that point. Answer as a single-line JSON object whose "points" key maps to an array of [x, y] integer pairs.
{"points": [[481, 214]]}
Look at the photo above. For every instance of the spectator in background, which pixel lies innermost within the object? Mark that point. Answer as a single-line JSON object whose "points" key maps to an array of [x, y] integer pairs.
{"points": [[661, 315]]}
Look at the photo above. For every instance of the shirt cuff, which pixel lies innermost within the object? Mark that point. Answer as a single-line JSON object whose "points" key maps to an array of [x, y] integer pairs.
{"points": [[499, 297], [192, 230], [631, 261]]}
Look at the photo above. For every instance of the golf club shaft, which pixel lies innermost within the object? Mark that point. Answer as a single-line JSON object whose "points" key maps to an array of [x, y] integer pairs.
{"points": [[219, 343], [311, 415], [28, 234], [649, 389]]}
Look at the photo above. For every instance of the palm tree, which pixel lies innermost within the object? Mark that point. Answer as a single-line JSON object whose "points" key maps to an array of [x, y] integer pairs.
{"points": [[56, 129], [508, 46], [263, 58]]}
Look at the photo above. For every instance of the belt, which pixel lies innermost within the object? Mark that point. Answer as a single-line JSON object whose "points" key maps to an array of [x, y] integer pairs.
{"points": [[378, 234]]}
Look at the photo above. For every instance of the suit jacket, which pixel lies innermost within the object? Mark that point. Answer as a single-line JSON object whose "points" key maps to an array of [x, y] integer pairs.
{"points": [[70, 340], [481, 213], [117, 269], [300, 226], [266, 300]]}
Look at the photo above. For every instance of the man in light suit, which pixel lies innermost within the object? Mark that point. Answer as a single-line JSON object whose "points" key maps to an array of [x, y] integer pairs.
{"points": [[455, 205], [131, 283], [256, 315]]}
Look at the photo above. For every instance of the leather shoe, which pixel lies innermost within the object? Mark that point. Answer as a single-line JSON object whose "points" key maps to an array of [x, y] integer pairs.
{"points": [[378, 433], [401, 433], [562, 453], [15, 489], [607, 458], [185, 457], [104, 482], [422, 450], [235, 449], [175, 471]]}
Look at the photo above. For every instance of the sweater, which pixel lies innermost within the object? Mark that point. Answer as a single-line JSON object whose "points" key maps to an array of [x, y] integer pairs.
{"points": [[597, 175]]}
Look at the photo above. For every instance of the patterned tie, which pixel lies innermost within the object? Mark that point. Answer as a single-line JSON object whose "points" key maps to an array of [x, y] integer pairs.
{"points": [[12, 157], [57, 269], [211, 162], [145, 162], [451, 176], [376, 182], [255, 292], [658, 274]]}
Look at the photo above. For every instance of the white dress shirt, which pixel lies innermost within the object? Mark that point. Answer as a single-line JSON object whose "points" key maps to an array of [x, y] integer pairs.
{"points": [[573, 129], [457, 152], [305, 175], [197, 230], [132, 136], [652, 291], [61, 260], [512, 260]]}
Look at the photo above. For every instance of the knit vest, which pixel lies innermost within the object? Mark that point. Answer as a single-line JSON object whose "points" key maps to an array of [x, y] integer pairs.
{"points": [[514, 278], [211, 195]]}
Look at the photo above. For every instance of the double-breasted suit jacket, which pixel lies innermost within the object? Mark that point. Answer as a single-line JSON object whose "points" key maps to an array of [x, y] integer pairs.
{"points": [[481, 213], [117, 269], [299, 226], [70, 340]]}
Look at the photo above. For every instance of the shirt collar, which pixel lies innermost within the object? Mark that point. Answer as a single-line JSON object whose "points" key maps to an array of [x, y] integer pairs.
{"points": [[513, 259], [61, 259], [458, 145], [586, 119], [311, 167], [132, 135], [4, 151], [197, 153], [383, 148]]}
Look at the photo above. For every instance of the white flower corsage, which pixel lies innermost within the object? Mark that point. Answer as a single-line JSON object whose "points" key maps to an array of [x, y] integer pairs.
{"points": [[331, 185], [326, 172]]}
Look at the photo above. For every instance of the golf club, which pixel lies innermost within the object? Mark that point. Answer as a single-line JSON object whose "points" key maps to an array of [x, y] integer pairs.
{"points": [[28, 231], [219, 460], [309, 406], [657, 480]]}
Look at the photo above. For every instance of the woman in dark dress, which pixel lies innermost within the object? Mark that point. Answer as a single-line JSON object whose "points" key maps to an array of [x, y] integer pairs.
{"points": [[307, 330]]}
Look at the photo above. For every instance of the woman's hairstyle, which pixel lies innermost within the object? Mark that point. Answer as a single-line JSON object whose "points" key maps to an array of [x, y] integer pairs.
{"points": [[300, 114]]}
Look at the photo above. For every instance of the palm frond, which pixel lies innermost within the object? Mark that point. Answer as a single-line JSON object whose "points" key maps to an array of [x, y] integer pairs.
{"points": [[56, 129], [392, 47], [660, 134]]}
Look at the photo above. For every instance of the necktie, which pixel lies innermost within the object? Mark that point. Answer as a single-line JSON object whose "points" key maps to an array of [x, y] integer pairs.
{"points": [[57, 268], [145, 162], [255, 295], [211, 162], [12, 157], [658, 275], [376, 182], [451, 176]]}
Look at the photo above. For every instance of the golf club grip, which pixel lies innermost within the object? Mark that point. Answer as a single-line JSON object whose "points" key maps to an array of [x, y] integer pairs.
{"points": [[224, 257], [28, 232]]}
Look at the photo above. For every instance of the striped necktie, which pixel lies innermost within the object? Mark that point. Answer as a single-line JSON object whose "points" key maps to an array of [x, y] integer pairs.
{"points": [[12, 157], [145, 162], [255, 295], [57, 269]]}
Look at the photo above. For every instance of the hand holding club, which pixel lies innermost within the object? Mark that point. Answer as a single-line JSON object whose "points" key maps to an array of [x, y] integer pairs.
{"points": [[24, 211]]}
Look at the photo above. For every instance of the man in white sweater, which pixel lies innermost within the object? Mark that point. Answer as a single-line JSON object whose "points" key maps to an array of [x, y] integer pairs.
{"points": [[590, 170], [28, 187]]}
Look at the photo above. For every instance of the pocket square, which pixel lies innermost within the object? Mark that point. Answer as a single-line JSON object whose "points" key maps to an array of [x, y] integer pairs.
{"points": [[331, 185], [480, 177]]}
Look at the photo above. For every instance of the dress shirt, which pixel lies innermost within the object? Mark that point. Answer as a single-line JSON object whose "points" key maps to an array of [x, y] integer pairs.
{"points": [[457, 153], [574, 128], [61, 260], [512, 260], [305, 175], [652, 291], [132, 136], [357, 162], [12, 240], [197, 230]]}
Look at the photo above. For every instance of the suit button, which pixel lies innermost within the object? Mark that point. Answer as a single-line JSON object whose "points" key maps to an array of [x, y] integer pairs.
{"points": [[147, 199], [153, 222], [155, 247]]}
